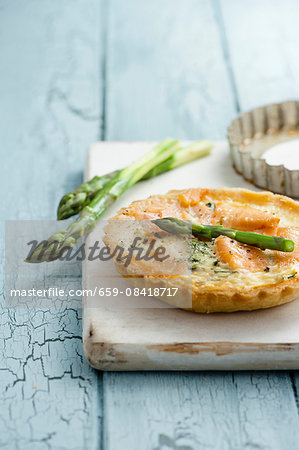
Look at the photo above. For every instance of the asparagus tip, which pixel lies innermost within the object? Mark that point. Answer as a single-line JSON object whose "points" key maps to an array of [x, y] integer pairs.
{"points": [[288, 245]]}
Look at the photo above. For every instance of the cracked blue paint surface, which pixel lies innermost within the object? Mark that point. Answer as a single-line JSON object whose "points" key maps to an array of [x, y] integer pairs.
{"points": [[50, 112]]}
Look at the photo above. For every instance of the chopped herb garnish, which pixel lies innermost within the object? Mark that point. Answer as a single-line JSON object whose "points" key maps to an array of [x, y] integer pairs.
{"points": [[199, 251], [292, 276], [211, 205], [225, 271]]}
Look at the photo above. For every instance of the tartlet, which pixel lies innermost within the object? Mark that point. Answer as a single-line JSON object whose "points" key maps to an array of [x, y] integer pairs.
{"points": [[225, 276]]}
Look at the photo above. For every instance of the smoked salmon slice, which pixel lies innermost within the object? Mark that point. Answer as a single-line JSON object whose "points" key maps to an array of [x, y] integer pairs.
{"points": [[244, 218], [191, 197], [240, 256], [186, 206]]}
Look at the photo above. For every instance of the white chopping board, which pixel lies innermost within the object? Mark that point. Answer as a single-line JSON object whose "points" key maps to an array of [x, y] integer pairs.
{"points": [[173, 339]]}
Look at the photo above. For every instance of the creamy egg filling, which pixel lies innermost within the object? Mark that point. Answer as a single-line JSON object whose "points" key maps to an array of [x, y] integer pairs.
{"points": [[207, 269]]}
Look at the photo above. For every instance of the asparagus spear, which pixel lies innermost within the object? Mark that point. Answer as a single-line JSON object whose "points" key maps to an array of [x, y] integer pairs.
{"points": [[177, 226], [182, 156], [59, 242], [73, 202]]}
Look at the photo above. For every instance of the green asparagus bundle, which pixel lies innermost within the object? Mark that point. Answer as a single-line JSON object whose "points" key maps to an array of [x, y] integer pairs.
{"points": [[73, 202], [123, 180], [178, 226]]}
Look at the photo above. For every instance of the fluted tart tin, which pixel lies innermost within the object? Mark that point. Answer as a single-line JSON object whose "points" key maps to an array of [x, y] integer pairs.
{"points": [[253, 133]]}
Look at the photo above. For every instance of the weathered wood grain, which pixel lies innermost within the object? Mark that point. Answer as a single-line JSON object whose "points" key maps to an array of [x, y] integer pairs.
{"points": [[263, 45], [163, 58], [50, 111], [166, 74], [192, 411]]}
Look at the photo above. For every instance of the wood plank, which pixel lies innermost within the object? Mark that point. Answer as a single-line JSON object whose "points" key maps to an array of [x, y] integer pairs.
{"points": [[199, 410], [263, 45], [166, 74], [50, 111], [151, 75]]}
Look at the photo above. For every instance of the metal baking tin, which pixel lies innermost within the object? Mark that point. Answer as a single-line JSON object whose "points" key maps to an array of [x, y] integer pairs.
{"points": [[252, 133]]}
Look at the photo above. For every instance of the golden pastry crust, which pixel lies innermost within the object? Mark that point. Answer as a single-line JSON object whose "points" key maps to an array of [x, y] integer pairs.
{"points": [[225, 296]]}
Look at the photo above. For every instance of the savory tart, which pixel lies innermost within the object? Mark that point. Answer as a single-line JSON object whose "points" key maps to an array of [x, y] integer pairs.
{"points": [[226, 275]]}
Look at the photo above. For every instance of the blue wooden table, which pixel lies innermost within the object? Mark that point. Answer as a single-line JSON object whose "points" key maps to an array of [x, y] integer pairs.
{"points": [[72, 72]]}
